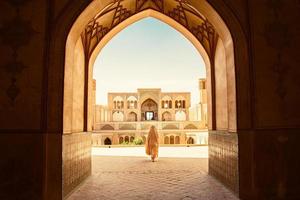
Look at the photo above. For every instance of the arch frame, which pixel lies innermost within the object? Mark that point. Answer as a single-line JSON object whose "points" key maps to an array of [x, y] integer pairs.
{"points": [[55, 72]]}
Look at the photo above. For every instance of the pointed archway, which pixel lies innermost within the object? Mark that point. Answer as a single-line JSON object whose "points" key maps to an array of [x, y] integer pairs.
{"points": [[221, 56]]}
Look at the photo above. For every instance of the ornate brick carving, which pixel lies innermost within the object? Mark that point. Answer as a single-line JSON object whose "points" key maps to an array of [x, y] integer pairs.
{"points": [[92, 35], [15, 34], [76, 152], [153, 4], [278, 37], [196, 23], [206, 34], [223, 158]]}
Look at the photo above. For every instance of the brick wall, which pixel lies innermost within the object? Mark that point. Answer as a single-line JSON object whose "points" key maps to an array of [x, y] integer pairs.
{"points": [[76, 160], [223, 158]]}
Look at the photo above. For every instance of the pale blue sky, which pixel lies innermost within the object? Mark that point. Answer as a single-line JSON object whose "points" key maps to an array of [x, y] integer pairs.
{"points": [[148, 54]]}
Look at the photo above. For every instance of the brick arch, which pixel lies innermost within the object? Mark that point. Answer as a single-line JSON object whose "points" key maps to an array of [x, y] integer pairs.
{"points": [[190, 126], [64, 37], [107, 127]]}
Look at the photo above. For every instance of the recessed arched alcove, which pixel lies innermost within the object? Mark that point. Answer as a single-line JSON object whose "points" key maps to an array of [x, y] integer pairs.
{"points": [[226, 62]]}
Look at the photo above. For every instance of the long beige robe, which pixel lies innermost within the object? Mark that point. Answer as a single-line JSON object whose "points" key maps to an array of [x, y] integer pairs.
{"points": [[152, 143]]}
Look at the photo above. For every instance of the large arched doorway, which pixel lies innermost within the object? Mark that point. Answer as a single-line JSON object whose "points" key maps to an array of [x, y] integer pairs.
{"points": [[222, 111], [132, 116], [149, 110], [166, 116], [107, 141]]}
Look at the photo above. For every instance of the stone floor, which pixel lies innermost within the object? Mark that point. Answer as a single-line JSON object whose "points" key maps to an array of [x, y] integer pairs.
{"points": [[164, 152], [136, 178]]}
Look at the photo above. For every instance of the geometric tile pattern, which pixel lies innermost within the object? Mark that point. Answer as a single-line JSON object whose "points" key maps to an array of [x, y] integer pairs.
{"points": [[119, 10], [223, 158], [136, 178], [76, 160]]}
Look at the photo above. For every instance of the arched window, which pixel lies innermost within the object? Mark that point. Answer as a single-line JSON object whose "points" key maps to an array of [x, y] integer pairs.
{"points": [[107, 141], [177, 140], [166, 116], [118, 116], [126, 139], [183, 103], [121, 140], [176, 104], [172, 139], [132, 117], [149, 109], [170, 104], [179, 104], [131, 102], [135, 104], [162, 104], [166, 140], [190, 140], [131, 139]]}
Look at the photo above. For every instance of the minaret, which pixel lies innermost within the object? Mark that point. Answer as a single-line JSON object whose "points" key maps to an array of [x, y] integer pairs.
{"points": [[203, 100]]}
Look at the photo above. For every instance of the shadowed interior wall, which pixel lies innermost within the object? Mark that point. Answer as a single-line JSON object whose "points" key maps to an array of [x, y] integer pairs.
{"points": [[76, 165], [76, 160], [224, 158], [78, 88], [223, 145], [221, 87], [267, 94]]}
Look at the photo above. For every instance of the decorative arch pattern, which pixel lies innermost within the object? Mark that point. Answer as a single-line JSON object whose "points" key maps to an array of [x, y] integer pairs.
{"points": [[118, 116], [107, 127], [119, 10], [190, 126], [132, 116], [166, 116]]}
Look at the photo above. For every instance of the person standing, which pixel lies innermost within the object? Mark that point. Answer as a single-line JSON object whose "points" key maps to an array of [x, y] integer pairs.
{"points": [[152, 143]]}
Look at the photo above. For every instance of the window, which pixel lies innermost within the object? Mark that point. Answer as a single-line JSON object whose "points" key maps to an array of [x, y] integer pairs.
{"points": [[131, 139], [126, 139], [107, 141], [177, 140], [121, 140], [149, 116], [170, 104], [166, 141], [172, 139]]}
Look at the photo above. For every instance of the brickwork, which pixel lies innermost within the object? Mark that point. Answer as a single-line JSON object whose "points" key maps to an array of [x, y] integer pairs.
{"points": [[223, 158], [76, 160], [137, 178]]}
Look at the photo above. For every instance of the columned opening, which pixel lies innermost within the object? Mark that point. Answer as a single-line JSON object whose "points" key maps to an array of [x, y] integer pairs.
{"points": [[205, 29]]}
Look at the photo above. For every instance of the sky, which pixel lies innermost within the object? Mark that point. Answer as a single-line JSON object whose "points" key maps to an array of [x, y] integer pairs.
{"points": [[148, 54]]}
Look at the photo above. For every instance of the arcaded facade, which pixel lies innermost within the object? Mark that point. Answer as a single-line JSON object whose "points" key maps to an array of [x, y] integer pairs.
{"points": [[128, 116]]}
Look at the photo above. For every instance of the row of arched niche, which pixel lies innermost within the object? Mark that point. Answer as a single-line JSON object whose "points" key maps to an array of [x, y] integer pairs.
{"points": [[166, 103], [119, 116], [167, 140]]}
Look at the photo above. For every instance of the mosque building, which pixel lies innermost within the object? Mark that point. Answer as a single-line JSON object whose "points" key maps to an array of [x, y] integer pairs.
{"points": [[128, 117]]}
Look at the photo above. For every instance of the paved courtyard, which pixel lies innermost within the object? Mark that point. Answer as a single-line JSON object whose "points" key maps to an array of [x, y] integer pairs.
{"points": [[127, 177], [164, 152]]}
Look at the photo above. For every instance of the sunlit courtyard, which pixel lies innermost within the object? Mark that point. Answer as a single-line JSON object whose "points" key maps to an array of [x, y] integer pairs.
{"points": [[164, 152], [126, 173]]}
